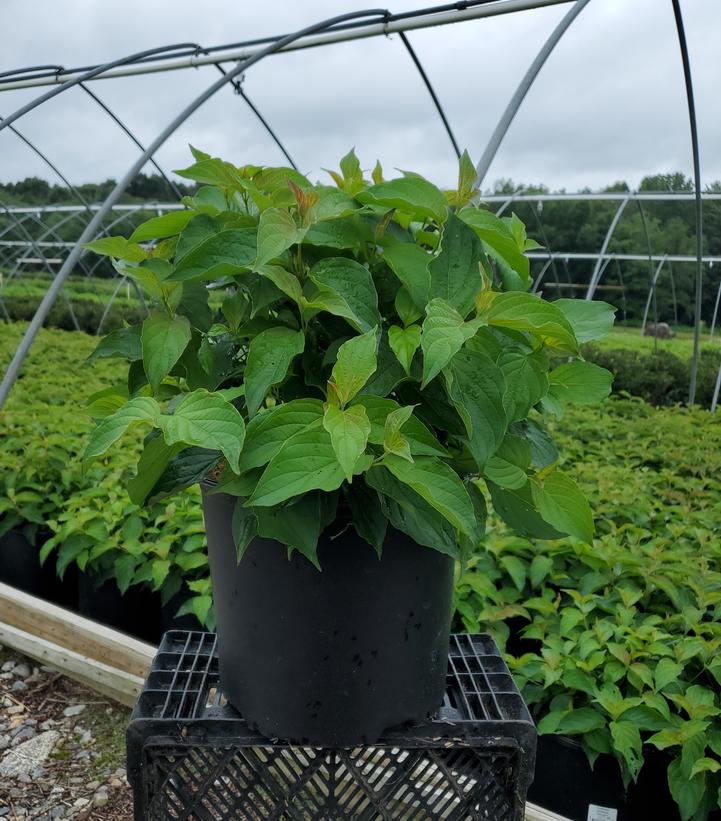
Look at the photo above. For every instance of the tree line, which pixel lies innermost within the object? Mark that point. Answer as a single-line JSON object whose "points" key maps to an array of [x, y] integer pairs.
{"points": [[562, 225]]}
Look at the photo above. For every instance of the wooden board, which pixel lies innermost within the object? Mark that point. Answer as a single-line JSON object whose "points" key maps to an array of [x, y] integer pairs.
{"points": [[534, 813], [117, 684], [72, 632]]}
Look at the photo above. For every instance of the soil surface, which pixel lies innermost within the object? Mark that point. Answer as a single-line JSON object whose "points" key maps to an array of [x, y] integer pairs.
{"points": [[62, 747]]}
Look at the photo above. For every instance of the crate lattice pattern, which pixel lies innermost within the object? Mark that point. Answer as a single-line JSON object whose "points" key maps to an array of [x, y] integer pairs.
{"points": [[191, 756]]}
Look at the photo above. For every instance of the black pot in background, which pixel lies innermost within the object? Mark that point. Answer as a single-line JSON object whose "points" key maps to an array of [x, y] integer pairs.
{"points": [[20, 568], [137, 612], [334, 657], [566, 784]]}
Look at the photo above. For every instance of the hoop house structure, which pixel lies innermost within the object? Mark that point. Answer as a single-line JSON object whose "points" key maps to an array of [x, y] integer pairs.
{"points": [[53, 236]]}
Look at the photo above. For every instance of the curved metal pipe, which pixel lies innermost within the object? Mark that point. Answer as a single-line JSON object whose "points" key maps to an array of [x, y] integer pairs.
{"points": [[651, 293], [529, 78], [132, 136], [431, 91], [595, 276], [47, 162], [547, 244], [238, 87], [623, 286], [539, 279], [88, 75], [688, 80], [38, 251], [715, 310], [37, 321]]}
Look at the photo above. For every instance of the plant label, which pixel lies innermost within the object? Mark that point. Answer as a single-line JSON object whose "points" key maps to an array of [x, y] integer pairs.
{"points": [[596, 813]]}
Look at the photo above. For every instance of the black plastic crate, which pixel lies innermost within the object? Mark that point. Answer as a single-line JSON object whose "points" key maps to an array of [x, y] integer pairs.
{"points": [[191, 756]]}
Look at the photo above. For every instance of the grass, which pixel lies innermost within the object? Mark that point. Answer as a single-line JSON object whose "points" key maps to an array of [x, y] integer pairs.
{"points": [[680, 345]]}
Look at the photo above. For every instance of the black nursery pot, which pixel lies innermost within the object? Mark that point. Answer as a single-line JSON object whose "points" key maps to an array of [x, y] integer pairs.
{"points": [[136, 612], [331, 658], [565, 783], [20, 568]]}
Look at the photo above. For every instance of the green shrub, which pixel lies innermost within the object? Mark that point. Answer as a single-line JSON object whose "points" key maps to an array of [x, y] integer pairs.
{"points": [[91, 520], [621, 640], [88, 313], [377, 353], [661, 378]]}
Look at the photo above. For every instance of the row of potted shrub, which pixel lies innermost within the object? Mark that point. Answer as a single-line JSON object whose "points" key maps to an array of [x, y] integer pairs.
{"points": [[616, 644], [81, 523]]}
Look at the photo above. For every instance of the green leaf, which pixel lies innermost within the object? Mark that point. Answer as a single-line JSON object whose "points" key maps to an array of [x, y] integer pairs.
{"points": [[188, 467], [367, 515], [411, 514], [563, 505], [393, 439], [589, 319], [541, 567], [504, 473], [355, 363], [208, 421], [421, 440], [406, 308], [351, 282], [245, 527], [498, 238], [666, 672], [348, 431], [153, 461], [166, 225], [212, 171], [404, 342], [516, 508], [455, 271], [581, 382], [123, 342], [277, 231], [476, 389], [160, 570], [296, 525], [516, 569], [439, 485], [306, 461], [525, 312], [388, 373], [413, 195], [221, 254], [627, 742], [268, 429], [235, 309], [581, 720], [443, 334], [686, 792], [163, 341], [118, 248], [270, 355], [409, 262], [550, 722], [526, 383], [140, 409], [705, 765], [284, 281]]}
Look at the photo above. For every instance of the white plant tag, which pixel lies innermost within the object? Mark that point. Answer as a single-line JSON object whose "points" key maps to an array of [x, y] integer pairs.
{"points": [[596, 813]]}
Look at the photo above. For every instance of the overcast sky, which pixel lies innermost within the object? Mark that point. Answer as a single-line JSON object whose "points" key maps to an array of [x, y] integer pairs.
{"points": [[608, 105]]}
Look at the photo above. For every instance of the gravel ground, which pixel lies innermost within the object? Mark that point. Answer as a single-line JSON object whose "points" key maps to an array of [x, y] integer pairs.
{"points": [[62, 747]]}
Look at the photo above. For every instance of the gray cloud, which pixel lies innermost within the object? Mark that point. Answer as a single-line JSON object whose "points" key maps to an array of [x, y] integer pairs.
{"points": [[608, 105]]}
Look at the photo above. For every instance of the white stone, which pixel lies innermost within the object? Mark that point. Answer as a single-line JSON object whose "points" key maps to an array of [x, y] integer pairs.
{"points": [[24, 758], [73, 710]]}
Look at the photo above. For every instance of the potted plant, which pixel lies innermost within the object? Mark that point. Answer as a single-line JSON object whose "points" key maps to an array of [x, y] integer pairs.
{"points": [[345, 369]]}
